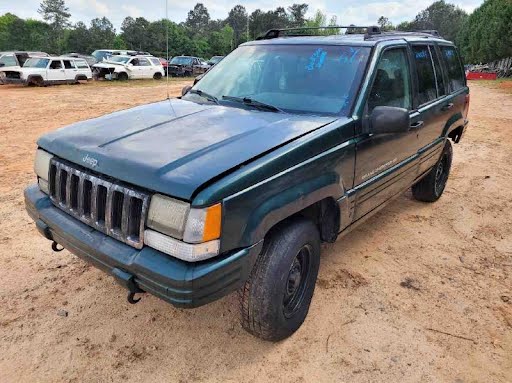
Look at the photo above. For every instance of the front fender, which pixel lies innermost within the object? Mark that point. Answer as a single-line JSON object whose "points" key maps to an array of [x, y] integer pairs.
{"points": [[251, 213]]}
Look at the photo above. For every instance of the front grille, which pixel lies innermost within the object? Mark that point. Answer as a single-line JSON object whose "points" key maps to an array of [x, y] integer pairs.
{"points": [[109, 207]]}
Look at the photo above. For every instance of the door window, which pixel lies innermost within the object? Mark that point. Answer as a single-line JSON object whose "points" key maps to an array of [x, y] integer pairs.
{"points": [[8, 60], [56, 64], [455, 72], [144, 62], [68, 64], [391, 86], [427, 90]]}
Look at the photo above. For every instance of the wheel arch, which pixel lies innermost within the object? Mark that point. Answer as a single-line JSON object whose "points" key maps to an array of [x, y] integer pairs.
{"points": [[454, 127], [36, 79], [315, 199]]}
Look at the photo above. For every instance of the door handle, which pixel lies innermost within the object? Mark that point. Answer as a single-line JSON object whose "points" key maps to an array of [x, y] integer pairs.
{"points": [[417, 125], [447, 107]]}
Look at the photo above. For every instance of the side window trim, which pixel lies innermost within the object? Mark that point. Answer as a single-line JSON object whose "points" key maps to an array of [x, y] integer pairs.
{"points": [[435, 72], [444, 70]]}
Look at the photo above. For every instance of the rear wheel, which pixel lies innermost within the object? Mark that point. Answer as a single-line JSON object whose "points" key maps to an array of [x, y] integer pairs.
{"points": [[157, 76], [432, 186], [275, 299]]}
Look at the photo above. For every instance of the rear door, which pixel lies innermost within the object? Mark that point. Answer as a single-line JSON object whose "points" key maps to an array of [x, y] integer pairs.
{"points": [[431, 102], [70, 70], [456, 82], [386, 163], [56, 71]]}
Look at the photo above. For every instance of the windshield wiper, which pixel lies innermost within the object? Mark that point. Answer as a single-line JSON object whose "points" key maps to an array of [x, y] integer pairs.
{"points": [[249, 101], [200, 93]]}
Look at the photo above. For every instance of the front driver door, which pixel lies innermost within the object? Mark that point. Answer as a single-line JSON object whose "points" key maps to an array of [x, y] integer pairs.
{"points": [[385, 163]]}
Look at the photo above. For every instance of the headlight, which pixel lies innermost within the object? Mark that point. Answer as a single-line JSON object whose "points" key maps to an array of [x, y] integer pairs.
{"points": [[176, 219], [168, 215], [42, 168], [198, 228]]}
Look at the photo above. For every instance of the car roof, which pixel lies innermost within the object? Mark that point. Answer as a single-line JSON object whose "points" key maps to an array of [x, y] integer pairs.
{"points": [[136, 56], [351, 39], [59, 58]]}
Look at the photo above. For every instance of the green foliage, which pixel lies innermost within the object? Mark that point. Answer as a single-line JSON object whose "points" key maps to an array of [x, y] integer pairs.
{"points": [[486, 34], [483, 36], [446, 18], [385, 24]]}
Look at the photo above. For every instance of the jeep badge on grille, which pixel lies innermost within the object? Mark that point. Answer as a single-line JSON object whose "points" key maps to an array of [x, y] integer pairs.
{"points": [[90, 161]]}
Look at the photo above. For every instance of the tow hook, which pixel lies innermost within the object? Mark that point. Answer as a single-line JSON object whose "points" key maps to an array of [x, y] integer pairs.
{"points": [[55, 247], [133, 289]]}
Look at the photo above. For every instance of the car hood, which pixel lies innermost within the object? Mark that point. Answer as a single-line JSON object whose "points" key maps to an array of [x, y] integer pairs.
{"points": [[109, 65], [175, 146]]}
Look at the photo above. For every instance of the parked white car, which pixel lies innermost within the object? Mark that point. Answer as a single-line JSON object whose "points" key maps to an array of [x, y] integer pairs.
{"points": [[105, 54], [11, 62], [129, 67], [51, 70]]}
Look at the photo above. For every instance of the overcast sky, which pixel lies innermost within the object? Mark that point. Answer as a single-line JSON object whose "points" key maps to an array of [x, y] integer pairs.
{"points": [[348, 11]]}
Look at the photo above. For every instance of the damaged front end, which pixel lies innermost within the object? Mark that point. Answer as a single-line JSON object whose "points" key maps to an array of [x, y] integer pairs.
{"points": [[104, 73], [10, 77]]}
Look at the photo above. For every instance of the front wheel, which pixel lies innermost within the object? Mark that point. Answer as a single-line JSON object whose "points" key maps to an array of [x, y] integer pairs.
{"points": [[431, 187], [275, 299]]}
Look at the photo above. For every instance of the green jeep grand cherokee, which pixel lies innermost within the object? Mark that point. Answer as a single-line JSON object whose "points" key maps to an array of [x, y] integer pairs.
{"points": [[288, 142]]}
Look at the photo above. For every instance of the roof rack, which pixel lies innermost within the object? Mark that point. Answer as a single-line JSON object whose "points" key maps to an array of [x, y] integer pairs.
{"points": [[351, 29], [432, 32], [395, 34]]}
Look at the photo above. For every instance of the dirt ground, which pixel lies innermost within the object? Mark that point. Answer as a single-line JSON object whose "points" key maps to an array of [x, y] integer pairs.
{"points": [[420, 293]]}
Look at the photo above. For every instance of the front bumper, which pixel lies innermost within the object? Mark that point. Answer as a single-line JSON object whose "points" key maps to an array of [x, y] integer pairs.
{"points": [[180, 283], [9, 80]]}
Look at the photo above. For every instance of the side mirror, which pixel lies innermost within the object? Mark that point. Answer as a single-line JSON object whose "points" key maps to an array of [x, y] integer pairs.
{"points": [[185, 90], [2, 64], [389, 119]]}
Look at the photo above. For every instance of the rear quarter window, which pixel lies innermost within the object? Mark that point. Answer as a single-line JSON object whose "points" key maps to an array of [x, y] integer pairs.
{"points": [[453, 65], [81, 64], [155, 61]]}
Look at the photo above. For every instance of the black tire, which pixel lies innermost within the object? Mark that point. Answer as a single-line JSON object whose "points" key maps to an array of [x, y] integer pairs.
{"points": [[122, 76], [275, 299], [157, 76], [35, 81], [431, 187]]}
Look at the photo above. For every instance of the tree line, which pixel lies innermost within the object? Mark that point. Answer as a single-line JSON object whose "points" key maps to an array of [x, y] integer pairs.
{"points": [[482, 36]]}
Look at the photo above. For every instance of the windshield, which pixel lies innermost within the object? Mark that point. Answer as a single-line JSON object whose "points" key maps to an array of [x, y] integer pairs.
{"points": [[215, 59], [36, 63], [318, 79], [119, 59], [181, 60], [100, 55]]}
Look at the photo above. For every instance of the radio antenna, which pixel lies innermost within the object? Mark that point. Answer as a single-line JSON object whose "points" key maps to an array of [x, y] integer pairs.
{"points": [[167, 47], [167, 22]]}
